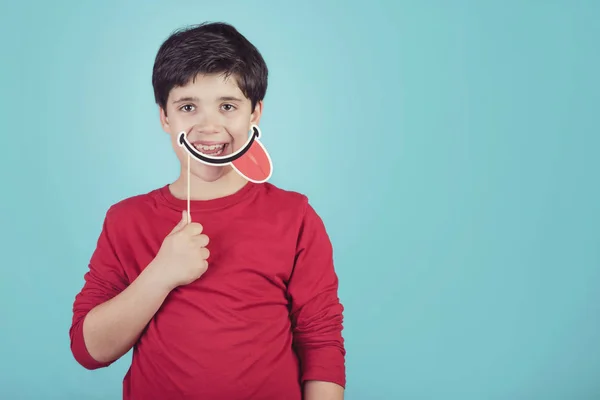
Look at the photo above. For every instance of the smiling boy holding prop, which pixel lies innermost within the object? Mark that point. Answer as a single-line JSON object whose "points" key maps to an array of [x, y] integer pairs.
{"points": [[221, 283]]}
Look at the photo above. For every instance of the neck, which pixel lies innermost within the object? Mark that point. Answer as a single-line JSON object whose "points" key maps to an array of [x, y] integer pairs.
{"points": [[226, 185]]}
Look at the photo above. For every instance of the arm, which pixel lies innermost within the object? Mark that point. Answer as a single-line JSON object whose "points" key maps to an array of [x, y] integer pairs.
{"points": [[319, 390], [109, 314], [317, 313], [111, 329]]}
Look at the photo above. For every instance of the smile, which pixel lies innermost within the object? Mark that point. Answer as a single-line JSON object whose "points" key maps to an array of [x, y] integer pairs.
{"points": [[210, 154], [213, 150]]}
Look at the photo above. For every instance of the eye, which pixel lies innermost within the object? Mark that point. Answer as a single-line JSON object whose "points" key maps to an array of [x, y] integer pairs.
{"points": [[228, 107], [187, 108]]}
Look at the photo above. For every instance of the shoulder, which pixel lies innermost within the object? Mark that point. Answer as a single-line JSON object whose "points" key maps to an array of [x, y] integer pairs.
{"points": [[285, 199], [295, 205], [128, 208], [296, 209]]}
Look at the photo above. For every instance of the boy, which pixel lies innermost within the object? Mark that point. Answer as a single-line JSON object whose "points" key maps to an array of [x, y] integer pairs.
{"points": [[257, 316]]}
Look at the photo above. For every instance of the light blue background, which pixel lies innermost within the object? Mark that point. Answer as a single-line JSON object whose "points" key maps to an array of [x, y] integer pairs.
{"points": [[450, 147]]}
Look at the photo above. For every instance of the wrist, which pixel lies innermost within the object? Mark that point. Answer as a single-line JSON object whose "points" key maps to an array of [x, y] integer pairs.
{"points": [[155, 276]]}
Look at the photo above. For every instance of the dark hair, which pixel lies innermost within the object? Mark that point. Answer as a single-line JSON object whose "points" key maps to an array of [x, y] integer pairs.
{"points": [[208, 48]]}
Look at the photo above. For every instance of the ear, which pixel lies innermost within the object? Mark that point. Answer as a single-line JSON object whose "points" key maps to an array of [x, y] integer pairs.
{"points": [[164, 120], [257, 113]]}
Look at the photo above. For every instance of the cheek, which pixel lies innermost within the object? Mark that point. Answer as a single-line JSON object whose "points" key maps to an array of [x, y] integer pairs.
{"points": [[178, 122], [179, 151], [239, 139], [239, 131]]}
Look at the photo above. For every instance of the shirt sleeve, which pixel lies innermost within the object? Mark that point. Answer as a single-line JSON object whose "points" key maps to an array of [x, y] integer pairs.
{"points": [[104, 280], [316, 311]]}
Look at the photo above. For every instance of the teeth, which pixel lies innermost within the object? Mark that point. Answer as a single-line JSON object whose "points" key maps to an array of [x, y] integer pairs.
{"points": [[215, 149], [211, 147]]}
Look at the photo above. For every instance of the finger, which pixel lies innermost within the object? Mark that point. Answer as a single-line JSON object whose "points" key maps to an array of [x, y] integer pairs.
{"points": [[204, 253], [193, 228], [182, 222], [201, 240]]}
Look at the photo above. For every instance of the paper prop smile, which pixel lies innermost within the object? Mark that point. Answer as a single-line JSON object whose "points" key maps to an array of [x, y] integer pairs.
{"points": [[251, 161]]}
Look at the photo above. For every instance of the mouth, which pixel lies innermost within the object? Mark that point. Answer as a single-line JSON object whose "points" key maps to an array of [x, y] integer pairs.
{"points": [[211, 149], [215, 153]]}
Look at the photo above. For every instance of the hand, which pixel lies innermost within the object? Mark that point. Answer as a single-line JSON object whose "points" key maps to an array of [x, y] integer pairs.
{"points": [[183, 255]]}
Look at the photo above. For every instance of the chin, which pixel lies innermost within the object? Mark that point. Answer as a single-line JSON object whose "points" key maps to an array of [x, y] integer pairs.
{"points": [[208, 174]]}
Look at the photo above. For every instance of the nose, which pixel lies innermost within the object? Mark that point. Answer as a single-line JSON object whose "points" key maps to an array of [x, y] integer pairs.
{"points": [[205, 128], [206, 122]]}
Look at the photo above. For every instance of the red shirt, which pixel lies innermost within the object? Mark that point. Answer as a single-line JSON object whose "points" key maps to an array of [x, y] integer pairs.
{"points": [[263, 319]]}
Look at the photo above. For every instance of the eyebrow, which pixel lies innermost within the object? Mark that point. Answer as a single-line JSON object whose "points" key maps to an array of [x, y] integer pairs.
{"points": [[195, 99], [229, 98], [183, 99]]}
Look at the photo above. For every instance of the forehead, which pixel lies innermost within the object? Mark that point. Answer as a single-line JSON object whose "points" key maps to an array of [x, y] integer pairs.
{"points": [[208, 87]]}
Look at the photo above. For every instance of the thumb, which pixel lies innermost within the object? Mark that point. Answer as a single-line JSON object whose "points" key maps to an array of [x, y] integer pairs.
{"points": [[183, 222]]}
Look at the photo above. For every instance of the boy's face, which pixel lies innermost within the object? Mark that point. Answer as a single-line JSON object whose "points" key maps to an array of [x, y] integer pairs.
{"points": [[216, 115]]}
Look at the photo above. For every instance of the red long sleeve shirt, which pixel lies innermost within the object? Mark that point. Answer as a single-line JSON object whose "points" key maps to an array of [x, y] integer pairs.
{"points": [[263, 319]]}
